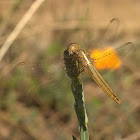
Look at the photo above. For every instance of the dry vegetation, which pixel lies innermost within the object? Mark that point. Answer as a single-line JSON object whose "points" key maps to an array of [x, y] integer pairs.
{"points": [[48, 114]]}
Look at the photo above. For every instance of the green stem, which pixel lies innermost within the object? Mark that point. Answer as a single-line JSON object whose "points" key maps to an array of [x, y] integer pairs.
{"points": [[77, 89]]}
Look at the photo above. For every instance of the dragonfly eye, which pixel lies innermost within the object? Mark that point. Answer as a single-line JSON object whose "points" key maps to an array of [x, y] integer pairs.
{"points": [[72, 48]]}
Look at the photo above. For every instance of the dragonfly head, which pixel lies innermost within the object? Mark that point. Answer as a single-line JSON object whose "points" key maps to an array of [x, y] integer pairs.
{"points": [[72, 48]]}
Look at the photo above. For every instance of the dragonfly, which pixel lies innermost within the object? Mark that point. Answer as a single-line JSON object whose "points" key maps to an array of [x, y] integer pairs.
{"points": [[98, 56]]}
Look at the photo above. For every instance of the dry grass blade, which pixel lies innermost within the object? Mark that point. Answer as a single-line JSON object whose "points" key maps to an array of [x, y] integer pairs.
{"points": [[19, 27]]}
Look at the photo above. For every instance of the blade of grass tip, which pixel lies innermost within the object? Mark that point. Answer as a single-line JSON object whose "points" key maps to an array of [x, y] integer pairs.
{"points": [[73, 138], [19, 27]]}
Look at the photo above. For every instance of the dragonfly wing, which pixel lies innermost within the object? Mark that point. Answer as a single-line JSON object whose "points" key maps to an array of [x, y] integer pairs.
{"points": [[42, 71], [111, 58], [106, 36], [39, 68], [45, 82]]}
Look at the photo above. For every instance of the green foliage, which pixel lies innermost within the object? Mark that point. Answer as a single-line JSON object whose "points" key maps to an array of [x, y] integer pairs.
{"points": [[84, 134], [17, 5], [94, 106], [8, 100], [55, 49]]}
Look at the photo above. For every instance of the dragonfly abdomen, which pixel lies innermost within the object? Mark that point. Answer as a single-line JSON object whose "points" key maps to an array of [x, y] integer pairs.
{"points": [[102, 83]]}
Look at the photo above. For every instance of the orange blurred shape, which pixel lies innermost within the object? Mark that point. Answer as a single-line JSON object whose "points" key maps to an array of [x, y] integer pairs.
{"points": [[105, 59]]}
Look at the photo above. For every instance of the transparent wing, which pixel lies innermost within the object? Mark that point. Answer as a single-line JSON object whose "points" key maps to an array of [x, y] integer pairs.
{"points": [[106, 36], [40, 67], [110, 58], [45, 72], [44, 81]]}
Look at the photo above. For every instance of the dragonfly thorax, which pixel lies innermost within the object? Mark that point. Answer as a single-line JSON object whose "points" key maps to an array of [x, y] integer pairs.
{"points": [[73, 47]]}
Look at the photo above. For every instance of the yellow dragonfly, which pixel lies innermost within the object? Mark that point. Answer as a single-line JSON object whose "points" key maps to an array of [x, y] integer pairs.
{"points": [[99, 56]]}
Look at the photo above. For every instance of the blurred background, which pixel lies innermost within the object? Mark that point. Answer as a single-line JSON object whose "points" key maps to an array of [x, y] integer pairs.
{"points": [[48, 112]]}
